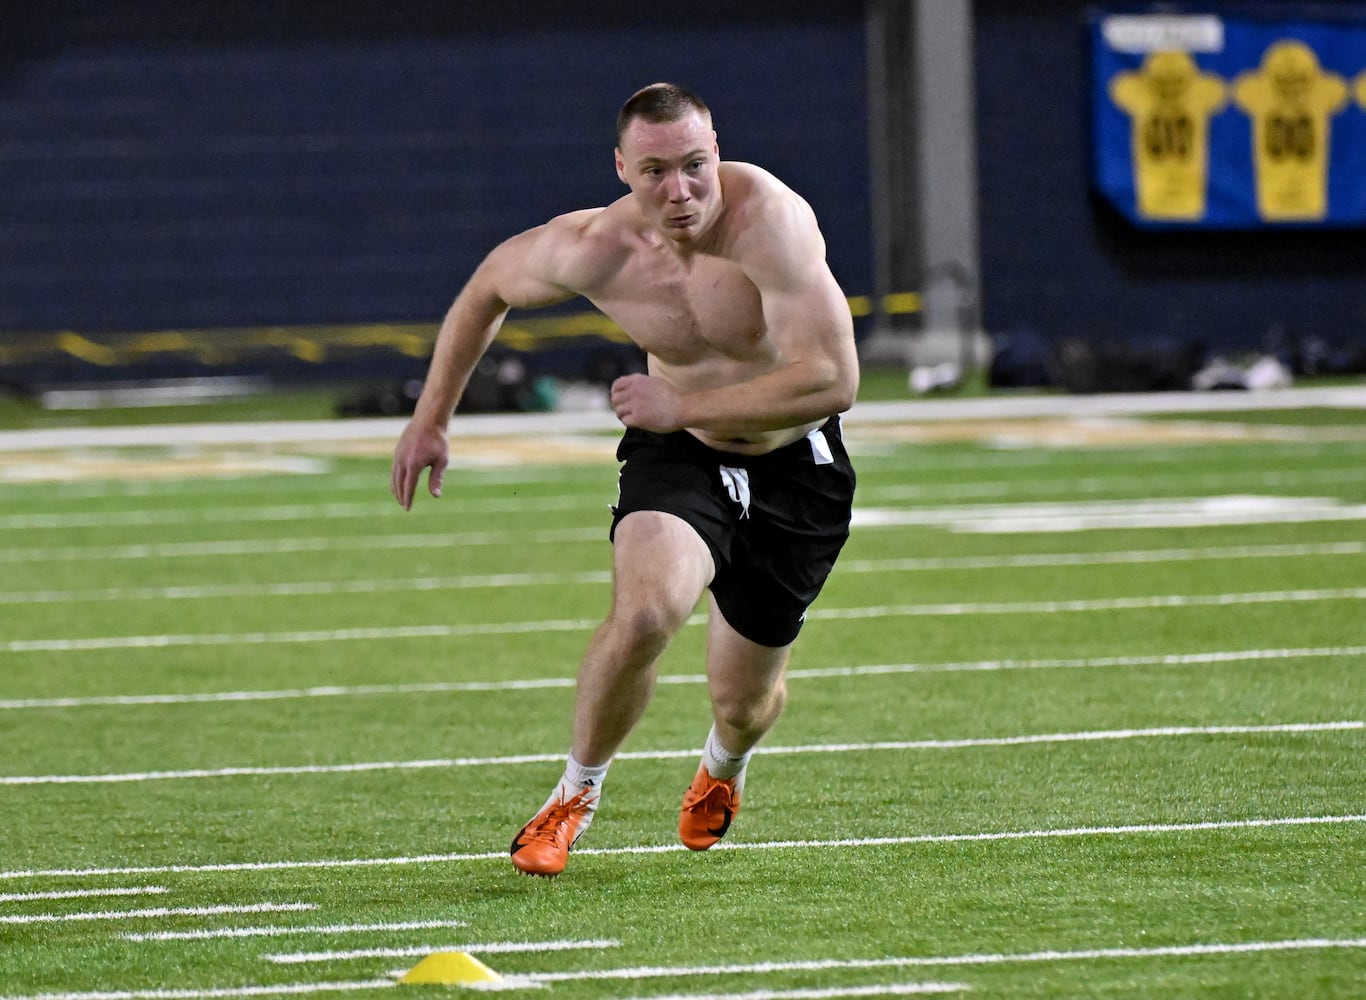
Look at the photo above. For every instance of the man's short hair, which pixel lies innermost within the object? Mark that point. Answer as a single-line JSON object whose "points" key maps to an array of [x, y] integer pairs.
{"points": [[659, 103]]}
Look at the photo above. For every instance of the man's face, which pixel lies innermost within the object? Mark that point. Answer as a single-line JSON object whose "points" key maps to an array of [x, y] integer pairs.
{"points": [[671, 169]]}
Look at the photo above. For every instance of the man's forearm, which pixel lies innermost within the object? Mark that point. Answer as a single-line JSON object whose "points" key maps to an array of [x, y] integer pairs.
{"points": [[466, 332], [795, 394]]}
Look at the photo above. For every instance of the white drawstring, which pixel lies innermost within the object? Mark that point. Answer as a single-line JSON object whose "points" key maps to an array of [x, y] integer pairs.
{"points": [[737, 485]]}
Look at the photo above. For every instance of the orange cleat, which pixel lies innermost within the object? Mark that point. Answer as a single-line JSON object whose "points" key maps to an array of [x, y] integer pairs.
{"points": [[709, 805], [541, 847]]}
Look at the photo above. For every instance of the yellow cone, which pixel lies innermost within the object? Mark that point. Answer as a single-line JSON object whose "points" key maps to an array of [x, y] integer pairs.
{"points": [[450, 968]]}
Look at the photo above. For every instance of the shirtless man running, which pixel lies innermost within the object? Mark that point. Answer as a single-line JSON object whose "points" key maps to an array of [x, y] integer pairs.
{"points": [[734, 478]]}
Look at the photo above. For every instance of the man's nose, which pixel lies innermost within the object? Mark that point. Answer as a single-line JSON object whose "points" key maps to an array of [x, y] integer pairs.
{"points": [[675, 188]]}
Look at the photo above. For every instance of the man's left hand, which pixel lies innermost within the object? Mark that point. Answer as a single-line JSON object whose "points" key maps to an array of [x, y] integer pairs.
{"points": [[647, 402]]}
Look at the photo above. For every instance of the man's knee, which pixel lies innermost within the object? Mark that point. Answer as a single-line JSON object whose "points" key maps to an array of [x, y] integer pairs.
{"points": [[644, 629], [749, 710]]}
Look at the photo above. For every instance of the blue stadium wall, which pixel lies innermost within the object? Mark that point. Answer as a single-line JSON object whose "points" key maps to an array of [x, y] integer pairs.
{"points": [[183, 166], [260, 165], [1058, 260]]}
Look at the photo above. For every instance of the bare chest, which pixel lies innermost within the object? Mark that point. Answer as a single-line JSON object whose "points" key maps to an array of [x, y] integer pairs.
{"points": [[683, 316]]}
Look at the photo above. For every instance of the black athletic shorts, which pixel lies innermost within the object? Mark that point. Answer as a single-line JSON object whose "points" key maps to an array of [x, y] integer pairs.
{"points": [[775, 523]]}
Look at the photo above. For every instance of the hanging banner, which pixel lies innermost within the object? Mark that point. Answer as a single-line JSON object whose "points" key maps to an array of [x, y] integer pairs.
{"points": [[1204, 120]]}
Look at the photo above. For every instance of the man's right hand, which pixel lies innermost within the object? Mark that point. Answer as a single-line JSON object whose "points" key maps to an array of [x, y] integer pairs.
{"points": [[420, 446]]}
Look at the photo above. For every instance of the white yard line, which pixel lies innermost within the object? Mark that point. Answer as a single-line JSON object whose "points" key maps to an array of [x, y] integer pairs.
{"points": [[288, 546], [1091, 515], [437, 631], [370, 510], [313, 692], [502, 580], [593, 502], [1097, 736], [687, 752], [1125, 557], [313, 475], [1196, 950], [216, 933], [28, 897], [307, 588], [1070, 486], [1084, 955], [224, 993], [419, 950], [292, 545], [996, 453], [445, 631], [827, 993], [1210, 826], [1144, 603], [993, 517], [1096, 662], [1220, 656], [153, 911]]}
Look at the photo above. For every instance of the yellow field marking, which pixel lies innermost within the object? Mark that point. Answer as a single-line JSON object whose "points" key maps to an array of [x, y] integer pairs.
{"points": [[1073, 432], [61, 466]]}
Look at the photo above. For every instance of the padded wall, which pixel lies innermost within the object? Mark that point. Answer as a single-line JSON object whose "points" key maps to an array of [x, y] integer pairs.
{"points": [[1061, 262]]}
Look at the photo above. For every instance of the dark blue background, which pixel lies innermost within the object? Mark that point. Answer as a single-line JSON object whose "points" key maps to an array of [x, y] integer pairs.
{"points": [[188, 165], [185, 166]]}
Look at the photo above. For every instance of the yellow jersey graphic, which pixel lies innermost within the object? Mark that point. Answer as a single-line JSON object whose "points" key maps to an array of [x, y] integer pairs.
{"points": [[1290, 100], [1361, 91], [1170, 102]]}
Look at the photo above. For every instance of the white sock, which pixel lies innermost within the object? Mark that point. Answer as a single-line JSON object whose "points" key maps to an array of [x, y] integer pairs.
{"points": [[578, 778], [721, 763], [578, 775]]}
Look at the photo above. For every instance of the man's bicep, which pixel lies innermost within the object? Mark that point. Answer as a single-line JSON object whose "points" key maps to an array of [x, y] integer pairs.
{"points": [[813, 331], [805, 311], [812, 314], [800, 296]]}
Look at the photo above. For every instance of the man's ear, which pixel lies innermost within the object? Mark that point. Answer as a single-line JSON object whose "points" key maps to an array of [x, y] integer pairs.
{"points": [[621, 166]]}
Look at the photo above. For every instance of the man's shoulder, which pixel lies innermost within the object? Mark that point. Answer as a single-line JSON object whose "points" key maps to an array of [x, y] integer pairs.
{"points": [[756, 196], [762, 211], [588, 244], [575, 225], [771, 231], [747, 181], [606, 223]]}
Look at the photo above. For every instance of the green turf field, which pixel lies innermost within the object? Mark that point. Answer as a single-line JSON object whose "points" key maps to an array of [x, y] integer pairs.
{"points": [[1079, 714]]}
